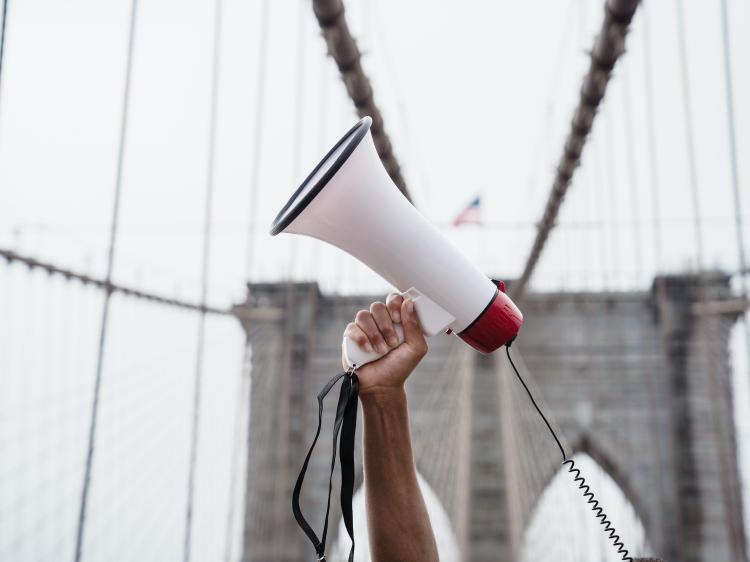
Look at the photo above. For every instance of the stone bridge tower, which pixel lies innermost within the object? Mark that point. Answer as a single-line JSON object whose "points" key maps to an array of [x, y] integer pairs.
{"points": [[636, 380]]}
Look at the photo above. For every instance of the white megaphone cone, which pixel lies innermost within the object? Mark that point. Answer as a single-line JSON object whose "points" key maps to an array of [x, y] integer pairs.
{"points": [[350, 201]]}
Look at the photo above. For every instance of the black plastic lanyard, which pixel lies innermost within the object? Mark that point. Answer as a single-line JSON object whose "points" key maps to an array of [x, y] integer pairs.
{"points": [[346, 424]]}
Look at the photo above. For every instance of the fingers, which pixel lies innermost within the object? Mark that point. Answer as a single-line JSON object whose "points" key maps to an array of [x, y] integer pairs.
{"points": [[355, 333], [412, 331], [394, 302], [382, 318], [374, 329], [366, 323]]}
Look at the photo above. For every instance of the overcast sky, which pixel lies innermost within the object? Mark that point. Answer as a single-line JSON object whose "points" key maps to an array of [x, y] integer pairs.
{"points": [[477, 97], [476, 100]]}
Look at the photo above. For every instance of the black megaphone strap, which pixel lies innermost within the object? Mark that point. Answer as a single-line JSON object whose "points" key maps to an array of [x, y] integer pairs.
{"points": [[346, 424]]}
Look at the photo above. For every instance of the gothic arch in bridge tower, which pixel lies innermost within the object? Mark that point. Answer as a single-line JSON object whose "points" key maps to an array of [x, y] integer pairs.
{"points": [[587, 446], [627, 386], [562, 525]]}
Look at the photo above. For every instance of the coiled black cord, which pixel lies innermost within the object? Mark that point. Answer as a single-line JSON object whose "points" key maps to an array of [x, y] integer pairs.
{"points": [[587, 493]]}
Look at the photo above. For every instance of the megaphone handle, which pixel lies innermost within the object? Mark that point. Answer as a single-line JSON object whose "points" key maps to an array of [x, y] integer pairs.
{"points": [[355, 357]]}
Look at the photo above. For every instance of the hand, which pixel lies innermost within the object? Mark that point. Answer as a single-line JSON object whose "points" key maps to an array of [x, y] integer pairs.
{"points": [[373, 329]]}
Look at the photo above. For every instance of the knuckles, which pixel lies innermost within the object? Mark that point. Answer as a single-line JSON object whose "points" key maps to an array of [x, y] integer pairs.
{"points": [[394, 301], [355, 333], [362, 315], [378, 307], [421, 348]]}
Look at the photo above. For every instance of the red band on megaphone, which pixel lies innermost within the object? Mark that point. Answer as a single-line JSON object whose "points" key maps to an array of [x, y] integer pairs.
{"points": [[495, 326]]}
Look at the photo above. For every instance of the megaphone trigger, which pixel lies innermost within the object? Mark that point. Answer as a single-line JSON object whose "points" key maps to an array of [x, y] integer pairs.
{"points": [[432, 317], [433, 320]]}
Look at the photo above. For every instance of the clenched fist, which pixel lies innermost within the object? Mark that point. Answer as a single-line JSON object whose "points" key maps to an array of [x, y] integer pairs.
{"points": [[373, 330]]}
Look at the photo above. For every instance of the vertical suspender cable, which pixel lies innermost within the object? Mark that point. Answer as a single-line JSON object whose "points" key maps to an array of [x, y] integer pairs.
{"points": [[255, 159], [2, 41], [608, 46], [733, 148], [659, 286], [241, 409], [243, 403], [608, 124], [591, 241], [205, 265], [108, 286], [288, 385], [653, 381], [653, 176], [738, 222], [598, 183], [729, 496], [689, 137], [2, 38], [299, 73], [632, 177], [322, 137]]}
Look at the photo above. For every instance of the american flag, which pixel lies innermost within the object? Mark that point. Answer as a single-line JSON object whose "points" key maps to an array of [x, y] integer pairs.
{"points": [[471, 214]]}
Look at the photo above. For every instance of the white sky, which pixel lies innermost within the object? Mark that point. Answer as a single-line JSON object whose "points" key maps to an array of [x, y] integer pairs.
{"points": [[476, 100], [476, 96]]}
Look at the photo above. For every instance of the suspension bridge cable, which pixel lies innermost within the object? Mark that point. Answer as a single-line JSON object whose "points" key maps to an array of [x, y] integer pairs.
{"points": [[108, 284], [705, 338], [255, 158], [344, 50], [653, 172], [69, 274], [728, 87], [604, 251], [588, 239], [632, 175], [609, 45], [299, 126], [541, 147], [291, 366], [243, 405], [402, 113], [660, 335], [322, 137], [2, 41], [240, 420], [205, 266], [732, 138], [738, 223], [689, 135], [611, 171]]}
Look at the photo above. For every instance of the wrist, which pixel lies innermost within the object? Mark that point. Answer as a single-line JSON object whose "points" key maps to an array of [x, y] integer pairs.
{"points": [[382, 396]]}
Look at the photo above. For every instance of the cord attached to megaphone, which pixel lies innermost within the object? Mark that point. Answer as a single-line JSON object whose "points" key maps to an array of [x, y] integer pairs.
{"points": [[577, 478], [345, 424]]}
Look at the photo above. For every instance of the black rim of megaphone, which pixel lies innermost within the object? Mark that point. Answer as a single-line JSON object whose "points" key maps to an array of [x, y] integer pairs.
{"points": [[353, 137]]}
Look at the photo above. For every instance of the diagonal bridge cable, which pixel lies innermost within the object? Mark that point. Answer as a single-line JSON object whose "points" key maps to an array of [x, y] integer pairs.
{"points": [[609, 45], [344, 50], [107, 285], [89, 462]]}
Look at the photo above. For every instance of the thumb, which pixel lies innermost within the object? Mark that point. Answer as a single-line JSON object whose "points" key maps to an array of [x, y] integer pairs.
{"points": [[412, 330]]}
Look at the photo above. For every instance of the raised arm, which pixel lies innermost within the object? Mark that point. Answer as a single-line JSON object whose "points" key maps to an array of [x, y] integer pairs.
{"points": [[397, 520]]}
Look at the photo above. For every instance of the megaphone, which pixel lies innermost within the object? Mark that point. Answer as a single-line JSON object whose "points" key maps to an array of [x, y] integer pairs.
{"points": [[349, 201]]}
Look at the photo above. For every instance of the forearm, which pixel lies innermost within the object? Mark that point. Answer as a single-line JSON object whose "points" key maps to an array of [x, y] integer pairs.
{"points": [[398, 524]]}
